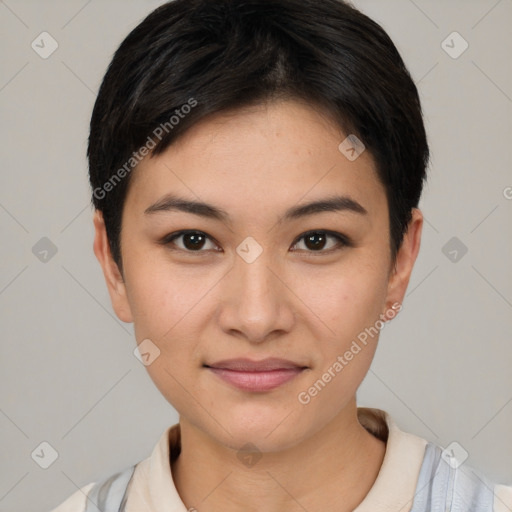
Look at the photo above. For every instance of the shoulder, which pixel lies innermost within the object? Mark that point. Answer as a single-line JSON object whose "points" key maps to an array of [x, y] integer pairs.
{"points": [[106, 495], [112, 492], [77, 502], [445, 481], [502, 498], [438, 480]]}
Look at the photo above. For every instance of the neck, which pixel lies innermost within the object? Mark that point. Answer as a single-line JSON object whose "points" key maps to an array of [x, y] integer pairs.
{"points": [[332, 470]]}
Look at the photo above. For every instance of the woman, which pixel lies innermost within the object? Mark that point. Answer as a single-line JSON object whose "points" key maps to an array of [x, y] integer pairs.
{"points": [[256, 168]]}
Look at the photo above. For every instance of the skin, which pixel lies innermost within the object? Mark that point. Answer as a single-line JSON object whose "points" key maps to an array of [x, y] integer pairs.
{"points": [[294, 302]]}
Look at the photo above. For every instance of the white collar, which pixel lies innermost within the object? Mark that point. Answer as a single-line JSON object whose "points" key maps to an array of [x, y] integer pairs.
{"points": [[152, 487], [394, 488]]}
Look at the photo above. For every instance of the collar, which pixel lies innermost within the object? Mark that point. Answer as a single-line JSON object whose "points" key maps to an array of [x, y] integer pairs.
{"points": [[152, 486]]}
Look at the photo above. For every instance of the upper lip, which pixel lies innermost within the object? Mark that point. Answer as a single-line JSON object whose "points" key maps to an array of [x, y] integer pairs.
{"points": [[248, 365]]}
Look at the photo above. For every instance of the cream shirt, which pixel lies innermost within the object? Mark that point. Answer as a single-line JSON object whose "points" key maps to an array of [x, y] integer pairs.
{"points": [[152, 487]]}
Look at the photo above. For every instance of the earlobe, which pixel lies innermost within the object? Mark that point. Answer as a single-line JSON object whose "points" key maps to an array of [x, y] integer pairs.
{"points": [[113, 277], [405, 259]]}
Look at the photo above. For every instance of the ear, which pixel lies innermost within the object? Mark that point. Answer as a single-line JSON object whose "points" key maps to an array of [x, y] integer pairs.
{"points": [[113, 277], [406, 256]]}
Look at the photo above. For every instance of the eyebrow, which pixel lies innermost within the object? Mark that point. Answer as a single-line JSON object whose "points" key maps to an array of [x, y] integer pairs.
{"points": [[337, 203]]}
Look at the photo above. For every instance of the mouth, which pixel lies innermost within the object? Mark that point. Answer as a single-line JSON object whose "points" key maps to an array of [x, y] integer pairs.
{"points": [[256, 376]]}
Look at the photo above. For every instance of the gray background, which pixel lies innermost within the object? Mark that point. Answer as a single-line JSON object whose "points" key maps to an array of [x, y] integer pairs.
{"points": [[68, 373]]}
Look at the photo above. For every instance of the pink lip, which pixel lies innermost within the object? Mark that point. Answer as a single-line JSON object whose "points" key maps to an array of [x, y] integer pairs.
{"points": [[256, 375]]}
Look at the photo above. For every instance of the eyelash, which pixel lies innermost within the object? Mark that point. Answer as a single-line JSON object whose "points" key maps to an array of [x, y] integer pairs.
{"points": [[343, 241]]}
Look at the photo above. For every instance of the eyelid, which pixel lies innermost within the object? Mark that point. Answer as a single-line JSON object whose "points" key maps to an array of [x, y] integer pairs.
{"points": [[343, 240], [168, 240]]}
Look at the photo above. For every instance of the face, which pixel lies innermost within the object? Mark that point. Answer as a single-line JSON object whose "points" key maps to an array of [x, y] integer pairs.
{"points": [[255, 274]]}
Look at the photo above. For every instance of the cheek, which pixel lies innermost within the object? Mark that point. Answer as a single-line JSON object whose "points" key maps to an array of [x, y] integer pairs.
{"points": [[161, 298], [350, 305], [154, 306], [163, 312], [346, 300], [168, 309]]}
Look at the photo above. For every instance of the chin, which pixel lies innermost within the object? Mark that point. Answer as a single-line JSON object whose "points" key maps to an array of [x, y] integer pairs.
{"points": [[267, 431]]}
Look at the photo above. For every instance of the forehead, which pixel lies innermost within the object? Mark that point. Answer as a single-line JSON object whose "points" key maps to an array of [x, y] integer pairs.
{"points": [[267, 156]]}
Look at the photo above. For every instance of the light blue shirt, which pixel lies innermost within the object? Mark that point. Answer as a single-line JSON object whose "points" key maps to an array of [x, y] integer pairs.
{"points": [[441, 487]]}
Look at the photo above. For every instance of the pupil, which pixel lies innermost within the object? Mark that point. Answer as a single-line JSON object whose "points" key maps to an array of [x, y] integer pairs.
{"points": [[315, 244], [193, 241]]}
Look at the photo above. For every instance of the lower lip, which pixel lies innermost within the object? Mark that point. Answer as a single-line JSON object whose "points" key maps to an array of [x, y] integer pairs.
{"points": [[257, 381]]}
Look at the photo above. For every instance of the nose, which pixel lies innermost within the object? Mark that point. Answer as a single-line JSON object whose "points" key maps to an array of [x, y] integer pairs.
{"points": [[255, 302]]}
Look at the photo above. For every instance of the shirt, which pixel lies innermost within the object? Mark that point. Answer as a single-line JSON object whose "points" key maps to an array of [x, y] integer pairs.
{"points": [[403, 484]]}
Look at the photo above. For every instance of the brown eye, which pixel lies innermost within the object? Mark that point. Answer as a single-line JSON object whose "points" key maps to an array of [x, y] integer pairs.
{"points": [[194, 241], [317, 241], [190, 241]]}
